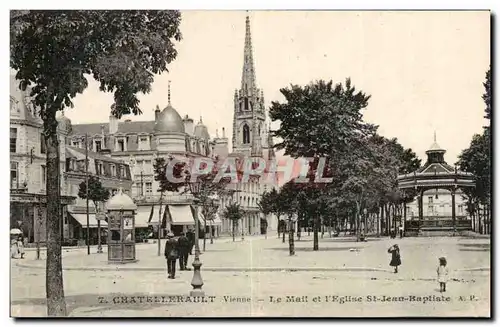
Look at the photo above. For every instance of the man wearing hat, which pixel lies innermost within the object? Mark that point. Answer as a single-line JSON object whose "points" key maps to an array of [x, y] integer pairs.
{"points": [[184, 246], [171, 254]]}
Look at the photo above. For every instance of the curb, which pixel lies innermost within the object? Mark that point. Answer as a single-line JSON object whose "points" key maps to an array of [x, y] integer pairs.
{"points": [[217, 269], [240, 269]]}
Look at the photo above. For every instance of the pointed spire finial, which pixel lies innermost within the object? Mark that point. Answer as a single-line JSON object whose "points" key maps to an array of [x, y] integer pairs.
{"points": [[169, 92], [201, 119], [435, 136], [157, 108]]}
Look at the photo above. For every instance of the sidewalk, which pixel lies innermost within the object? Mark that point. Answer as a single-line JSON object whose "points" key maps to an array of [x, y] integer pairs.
{"points": [[257, 254]]}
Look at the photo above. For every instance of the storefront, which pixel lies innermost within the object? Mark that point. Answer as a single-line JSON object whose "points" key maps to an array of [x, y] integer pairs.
{"points": [[28, 212]]}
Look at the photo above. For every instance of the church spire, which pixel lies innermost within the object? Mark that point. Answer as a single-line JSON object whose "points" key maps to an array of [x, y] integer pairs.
{"points": [[248, 79]]}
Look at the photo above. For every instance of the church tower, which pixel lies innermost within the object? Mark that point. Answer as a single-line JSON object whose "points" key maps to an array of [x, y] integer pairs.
{"points": [[249, 128]]}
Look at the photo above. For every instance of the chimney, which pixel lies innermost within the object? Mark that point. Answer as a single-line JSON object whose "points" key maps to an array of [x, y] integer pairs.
{"points": [[157, 113], [221, 148], [188, 125], [113, 124]]}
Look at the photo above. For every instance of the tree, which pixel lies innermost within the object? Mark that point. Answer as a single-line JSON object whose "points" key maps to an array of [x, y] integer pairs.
{"points": [[97, 193], [53, 52], [267, 204], [476, 158], [487, 94], [234, 213], [321, 120]]}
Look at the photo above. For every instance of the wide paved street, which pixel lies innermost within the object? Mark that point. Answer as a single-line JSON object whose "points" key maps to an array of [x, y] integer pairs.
{"points": [[257, 277]]}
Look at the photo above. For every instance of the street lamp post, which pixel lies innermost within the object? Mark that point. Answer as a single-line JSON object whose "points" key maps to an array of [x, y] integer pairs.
{"points": [[197, 281]]}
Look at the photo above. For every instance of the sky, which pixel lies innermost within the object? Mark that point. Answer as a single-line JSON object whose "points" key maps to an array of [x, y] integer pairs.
{"points": [[424, 70]]}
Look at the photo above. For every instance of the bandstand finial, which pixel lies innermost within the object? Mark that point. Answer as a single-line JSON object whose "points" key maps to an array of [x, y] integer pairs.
{"points": [[435, 139]]}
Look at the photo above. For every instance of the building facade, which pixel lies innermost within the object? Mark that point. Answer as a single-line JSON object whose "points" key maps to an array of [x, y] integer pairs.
{"points": [[139, 143], [28, 172]]}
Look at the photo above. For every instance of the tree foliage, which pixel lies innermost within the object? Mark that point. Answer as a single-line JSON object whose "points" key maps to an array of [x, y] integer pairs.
{"points": [[97, 193], [234, 213], [487, 94], [122, 50], [476, 158], [322, 120]]}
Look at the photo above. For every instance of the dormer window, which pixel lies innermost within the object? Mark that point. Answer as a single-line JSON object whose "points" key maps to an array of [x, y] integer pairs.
{"points": [[144, 143], [120, 145], [97, 145], [122, 171]]}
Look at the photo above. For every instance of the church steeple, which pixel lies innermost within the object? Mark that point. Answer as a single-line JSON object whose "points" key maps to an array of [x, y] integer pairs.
{"points": [[248, 84], [249, 113]]}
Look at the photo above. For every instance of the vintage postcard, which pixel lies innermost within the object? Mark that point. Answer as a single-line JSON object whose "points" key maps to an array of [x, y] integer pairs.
{"points": [[172, 163]]}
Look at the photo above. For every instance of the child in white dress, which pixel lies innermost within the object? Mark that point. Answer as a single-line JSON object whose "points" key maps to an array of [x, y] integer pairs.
{"points": [[442, 274]]}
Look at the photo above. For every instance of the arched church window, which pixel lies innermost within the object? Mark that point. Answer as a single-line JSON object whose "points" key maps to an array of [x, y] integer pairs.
{"points": [[246, 134]]}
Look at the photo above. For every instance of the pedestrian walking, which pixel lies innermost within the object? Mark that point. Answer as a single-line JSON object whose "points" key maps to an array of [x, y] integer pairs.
{"points": [[191, 237], [20, 246], [401, 230], [171, 254], [442, 274], [396, 257], [183, 244]]}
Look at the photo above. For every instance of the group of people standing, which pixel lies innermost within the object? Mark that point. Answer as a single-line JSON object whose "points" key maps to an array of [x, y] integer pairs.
{"points": [[178, 248]]}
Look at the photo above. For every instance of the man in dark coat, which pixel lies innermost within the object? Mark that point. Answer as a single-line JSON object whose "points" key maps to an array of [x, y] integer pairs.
{"points": [[191, 237], [184, 246], [171, 254]]}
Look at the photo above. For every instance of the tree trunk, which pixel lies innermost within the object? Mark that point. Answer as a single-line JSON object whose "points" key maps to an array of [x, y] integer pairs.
{"points": [[387, 219], [357, 222], [234, 229], [56, 304], [291, 245], [283, 232], [316, 232], [279, 226]]}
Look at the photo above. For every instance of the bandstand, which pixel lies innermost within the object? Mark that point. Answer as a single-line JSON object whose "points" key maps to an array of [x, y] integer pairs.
{"points": [[436, 174]]}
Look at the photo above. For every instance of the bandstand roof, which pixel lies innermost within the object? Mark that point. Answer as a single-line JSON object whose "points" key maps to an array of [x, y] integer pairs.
{"points": [[436, 173]]}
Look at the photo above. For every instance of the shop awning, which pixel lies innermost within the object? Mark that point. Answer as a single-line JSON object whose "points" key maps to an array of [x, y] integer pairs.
{"points": [[142, 216], [81, 218], [156, 214], [181, 214], [214, 222]]}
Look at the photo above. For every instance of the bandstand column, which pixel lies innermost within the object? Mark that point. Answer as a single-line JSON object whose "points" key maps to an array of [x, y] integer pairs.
{"points": [[453, 213], [420, 209]]}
